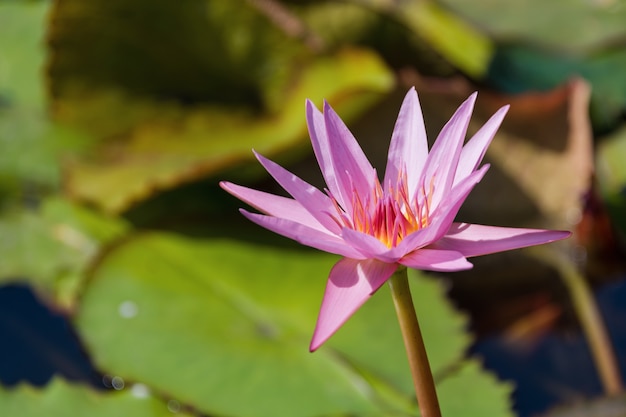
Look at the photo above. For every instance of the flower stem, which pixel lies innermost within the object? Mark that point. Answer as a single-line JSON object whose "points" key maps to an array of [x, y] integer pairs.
{"points": [[593, 327], [589, 316], [414, 344]]}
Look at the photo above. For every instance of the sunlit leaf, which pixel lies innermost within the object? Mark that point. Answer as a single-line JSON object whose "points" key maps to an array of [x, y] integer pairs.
{"points": [[225, 327], [340, 24], [443, 328], [464, 392], [174, 114], [530, 45], [60, 398], [194, 143], [461, 44], [31, 145], [563, 24], [22, 52]]}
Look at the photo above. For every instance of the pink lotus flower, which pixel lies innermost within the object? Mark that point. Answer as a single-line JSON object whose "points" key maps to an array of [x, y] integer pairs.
{"points": [[407, 221]]}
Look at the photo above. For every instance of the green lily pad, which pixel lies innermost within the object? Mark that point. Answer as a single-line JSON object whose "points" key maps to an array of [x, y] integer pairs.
{"points": [[564, 24], [22, 52], [31, 145], [32, 148], [200, 142], [464, 392], [192, 52], [50, 248], [60, 398], [442, 327], [453, 38], [224, 327], [229, 80]]}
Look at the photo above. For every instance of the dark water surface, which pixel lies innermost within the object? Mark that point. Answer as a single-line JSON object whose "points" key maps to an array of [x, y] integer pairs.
{"points": [[558, 367], [37, 343]]}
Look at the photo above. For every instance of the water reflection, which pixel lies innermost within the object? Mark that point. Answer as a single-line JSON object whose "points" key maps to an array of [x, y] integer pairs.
{"points": [[173, 406], [128, 309], [140, 391], [115, 382]]}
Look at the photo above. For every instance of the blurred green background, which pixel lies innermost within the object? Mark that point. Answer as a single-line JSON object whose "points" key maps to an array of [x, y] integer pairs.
{"points": [[118, 118]]}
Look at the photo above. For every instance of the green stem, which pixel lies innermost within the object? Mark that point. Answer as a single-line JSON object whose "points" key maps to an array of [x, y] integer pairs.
{"points": [[593, 326], [414, 344]]}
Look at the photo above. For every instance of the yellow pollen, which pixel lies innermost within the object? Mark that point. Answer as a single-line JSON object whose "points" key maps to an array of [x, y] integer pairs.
{"points": [[389, 216]]}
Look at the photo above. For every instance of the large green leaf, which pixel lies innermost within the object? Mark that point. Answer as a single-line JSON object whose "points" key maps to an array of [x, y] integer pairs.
{"points": [[194, 51], [224, 327], [443, 329], [541, 45], [30, 144], [51, 247], [32, 148], [565, 24], [462, 45], [467, 391], [189, 144], [359, 22], [223, 79], [22, 52], [61, 399]]}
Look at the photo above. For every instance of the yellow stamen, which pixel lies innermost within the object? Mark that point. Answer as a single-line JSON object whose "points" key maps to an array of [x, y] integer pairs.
{"points": [[389, 216]]}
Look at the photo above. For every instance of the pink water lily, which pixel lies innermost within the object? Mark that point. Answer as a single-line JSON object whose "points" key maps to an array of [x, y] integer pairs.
{"points": [[407, 221]]}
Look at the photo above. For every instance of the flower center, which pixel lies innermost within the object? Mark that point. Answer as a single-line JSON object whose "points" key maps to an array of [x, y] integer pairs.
{"points": [[389, 216]]}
